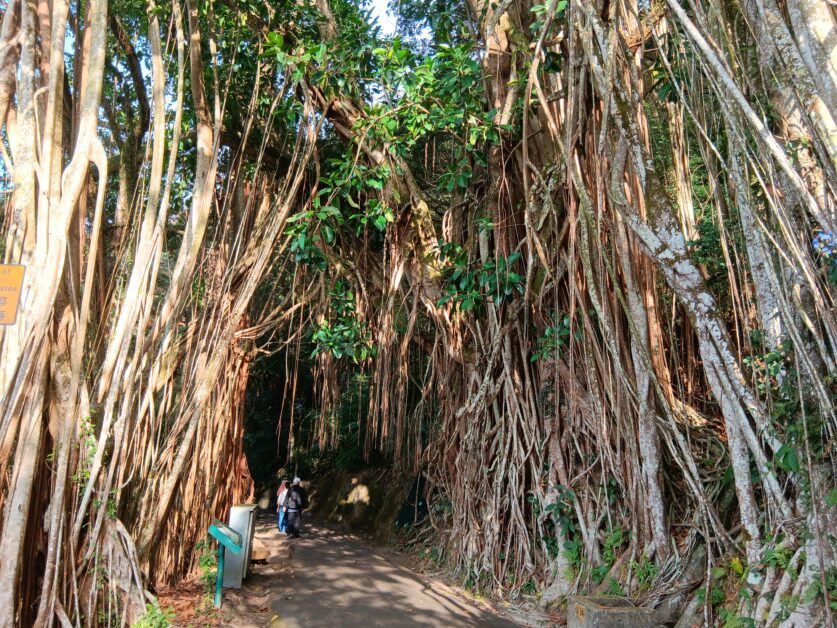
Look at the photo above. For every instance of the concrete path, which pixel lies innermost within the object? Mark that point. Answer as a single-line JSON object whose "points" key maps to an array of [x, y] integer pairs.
{"points": [[330, 579]]}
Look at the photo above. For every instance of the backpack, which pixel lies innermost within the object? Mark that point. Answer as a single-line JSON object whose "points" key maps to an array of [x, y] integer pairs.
{"points": [[292, 499]]}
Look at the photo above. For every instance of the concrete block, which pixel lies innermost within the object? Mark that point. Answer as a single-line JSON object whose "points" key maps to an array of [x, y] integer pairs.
{"points": [[605, 611], [259, 552]]}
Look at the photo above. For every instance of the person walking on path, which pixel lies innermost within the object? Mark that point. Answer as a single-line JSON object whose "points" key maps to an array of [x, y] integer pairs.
{"points": [[281, 494], [295, 502]]}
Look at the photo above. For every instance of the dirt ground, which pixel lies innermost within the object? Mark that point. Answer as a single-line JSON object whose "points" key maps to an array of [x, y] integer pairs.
{"points": [[328, 578]]}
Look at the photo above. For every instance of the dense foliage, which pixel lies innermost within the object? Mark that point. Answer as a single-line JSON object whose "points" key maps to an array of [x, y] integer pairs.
{"points": [[573, 262]]}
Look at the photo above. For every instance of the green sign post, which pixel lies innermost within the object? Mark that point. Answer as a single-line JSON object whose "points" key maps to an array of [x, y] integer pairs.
{"points": [[227, 539]]}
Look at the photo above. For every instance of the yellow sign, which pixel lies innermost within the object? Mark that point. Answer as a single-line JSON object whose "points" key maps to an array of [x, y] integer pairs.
{"points": [[11, 281]]}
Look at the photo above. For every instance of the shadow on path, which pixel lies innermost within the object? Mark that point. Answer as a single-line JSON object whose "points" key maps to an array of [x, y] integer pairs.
{"points": [[330, 579]]}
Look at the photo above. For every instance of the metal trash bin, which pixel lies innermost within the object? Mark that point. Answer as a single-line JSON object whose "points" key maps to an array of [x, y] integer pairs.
{"points": [[243, 521]]}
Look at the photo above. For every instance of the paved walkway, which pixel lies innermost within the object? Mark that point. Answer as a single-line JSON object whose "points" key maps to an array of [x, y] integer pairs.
{"points": [[330, 579]]}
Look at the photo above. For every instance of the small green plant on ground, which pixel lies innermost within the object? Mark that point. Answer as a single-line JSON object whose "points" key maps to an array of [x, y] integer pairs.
{"points": [[778, 556], [155, 617], [562, 517], [732, 620], [110, 614], [714, 593], [614, 588], [815, 590], [615, 539], [478, 584], [435, 554], [207, 564], [645, 571], [727, 589]]}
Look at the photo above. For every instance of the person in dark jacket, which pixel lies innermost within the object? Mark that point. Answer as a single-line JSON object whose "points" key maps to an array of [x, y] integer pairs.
{"points": [[296, 500]]}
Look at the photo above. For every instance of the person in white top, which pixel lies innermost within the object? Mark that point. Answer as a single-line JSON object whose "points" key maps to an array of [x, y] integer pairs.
{"points": [[280, 500]]}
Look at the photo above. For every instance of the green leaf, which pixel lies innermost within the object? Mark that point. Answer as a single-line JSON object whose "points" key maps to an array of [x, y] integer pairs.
{"points": [[788, 458], [328, 211], [812, 592], [299, 216], [275, 39]]}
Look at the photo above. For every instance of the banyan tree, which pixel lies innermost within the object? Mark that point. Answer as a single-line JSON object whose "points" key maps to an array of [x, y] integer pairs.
{"points": [[581, 255]]}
